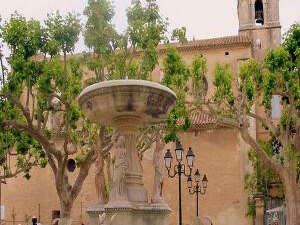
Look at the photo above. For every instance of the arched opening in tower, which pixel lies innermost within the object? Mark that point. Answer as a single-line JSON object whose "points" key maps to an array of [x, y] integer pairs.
{"points": [[259, 12]]}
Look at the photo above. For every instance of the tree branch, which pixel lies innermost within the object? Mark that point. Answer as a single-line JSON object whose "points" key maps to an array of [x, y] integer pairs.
{"points": [[269, 162], [52, 164], [227, 122], [84, 170], [18, 171], [17, 103], [48, 147]]}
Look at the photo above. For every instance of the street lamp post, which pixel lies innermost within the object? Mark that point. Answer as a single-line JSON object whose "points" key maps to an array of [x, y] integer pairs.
{"points": [[197, 188], [179, 168]]}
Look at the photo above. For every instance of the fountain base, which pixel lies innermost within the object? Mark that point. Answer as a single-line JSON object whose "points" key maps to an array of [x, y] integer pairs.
{"points": [[138, 214]]}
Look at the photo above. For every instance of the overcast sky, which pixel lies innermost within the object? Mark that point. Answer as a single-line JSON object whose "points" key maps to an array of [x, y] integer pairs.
{"points": [[202, 18]]}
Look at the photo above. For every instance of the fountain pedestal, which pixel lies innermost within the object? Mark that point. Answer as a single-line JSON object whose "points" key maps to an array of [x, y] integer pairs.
{"points": [[128, 105], [127, 127]]}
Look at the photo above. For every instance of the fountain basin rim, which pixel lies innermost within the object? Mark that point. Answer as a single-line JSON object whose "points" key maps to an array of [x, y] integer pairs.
{"points": [[114, 83]]}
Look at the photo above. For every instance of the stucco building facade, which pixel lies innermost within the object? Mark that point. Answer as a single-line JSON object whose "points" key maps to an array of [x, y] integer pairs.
{"points": [[220, 152]]}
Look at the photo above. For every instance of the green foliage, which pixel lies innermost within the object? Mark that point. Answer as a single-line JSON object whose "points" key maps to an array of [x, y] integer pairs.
{"points": [[251, 210], [49, 45], [115, 54], [291, 41], [8, 111], [23, 37], [278, 60], [285, 121], [223, 84], [43, 88], [146, 26], [99, 32], [73, 116], [176, 74], [282, 76], [146, 29], [251, 78], [198, 72], [29, 152], [179, 34], [64, 30]]}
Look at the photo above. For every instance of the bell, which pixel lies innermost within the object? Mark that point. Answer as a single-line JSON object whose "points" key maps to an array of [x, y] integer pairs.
{"points": [[259, 17]]}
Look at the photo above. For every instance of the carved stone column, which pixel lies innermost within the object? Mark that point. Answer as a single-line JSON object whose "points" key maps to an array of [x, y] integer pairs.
{"points": [[127, 127], [260, 209]]}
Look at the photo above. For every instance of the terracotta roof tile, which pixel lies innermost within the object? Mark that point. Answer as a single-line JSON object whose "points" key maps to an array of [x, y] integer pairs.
{"points": [[201, 121], [240, 40]]}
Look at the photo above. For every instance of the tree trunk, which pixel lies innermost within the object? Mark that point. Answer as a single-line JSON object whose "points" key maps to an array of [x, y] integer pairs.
{"points": [[292, 198], [66, 200], [65, 214]]}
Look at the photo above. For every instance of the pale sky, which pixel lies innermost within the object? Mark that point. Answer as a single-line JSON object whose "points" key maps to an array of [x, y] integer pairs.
{"points": [[202, 18]]}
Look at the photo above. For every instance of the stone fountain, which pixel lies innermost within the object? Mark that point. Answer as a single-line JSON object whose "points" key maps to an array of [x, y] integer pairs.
{"points": [[128, 105]]}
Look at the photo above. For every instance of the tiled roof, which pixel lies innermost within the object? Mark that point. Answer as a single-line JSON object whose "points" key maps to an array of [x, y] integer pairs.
{"points": [[229, 41], [202, 121]]}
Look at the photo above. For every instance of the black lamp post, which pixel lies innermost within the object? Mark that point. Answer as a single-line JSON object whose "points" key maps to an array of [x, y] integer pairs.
{"points": [[197, 188], [179, 168]]}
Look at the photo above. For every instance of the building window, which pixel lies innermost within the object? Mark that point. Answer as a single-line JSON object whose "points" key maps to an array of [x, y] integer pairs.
{"points": [[276, 106]]}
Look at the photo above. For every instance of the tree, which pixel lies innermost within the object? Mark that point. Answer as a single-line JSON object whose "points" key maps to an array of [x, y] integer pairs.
{"points": [[3, 68], [40, 119], [236, 101], [28, 152], [100, 36], [187, 81], [179, 34]]}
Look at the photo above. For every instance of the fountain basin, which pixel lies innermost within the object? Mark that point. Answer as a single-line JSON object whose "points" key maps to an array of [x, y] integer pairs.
{"points": [[107, 102]]}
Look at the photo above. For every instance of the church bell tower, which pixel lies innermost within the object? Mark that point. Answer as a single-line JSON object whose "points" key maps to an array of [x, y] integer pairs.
{"points": [[259, 20]]}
